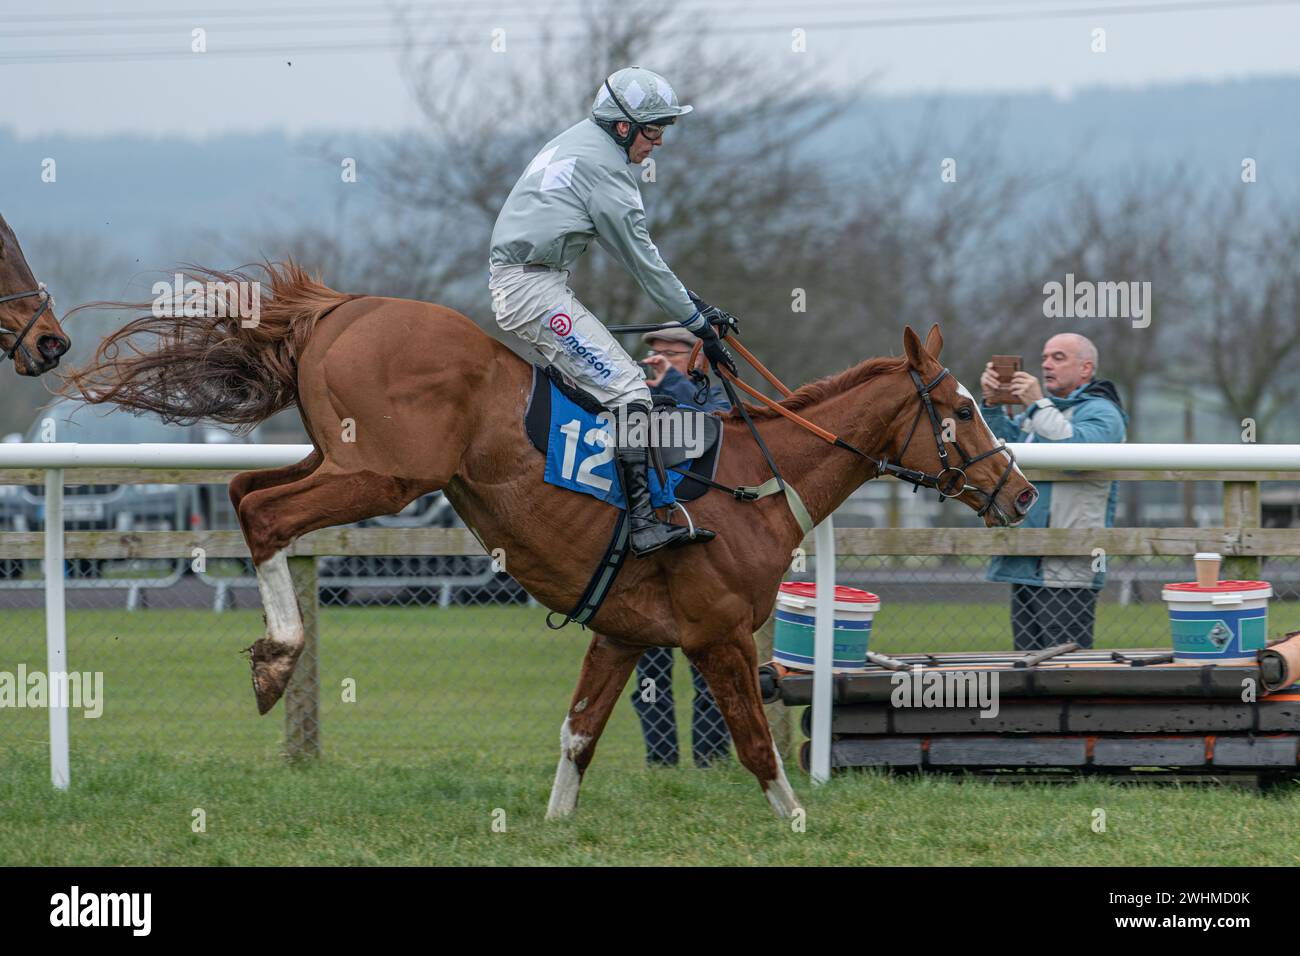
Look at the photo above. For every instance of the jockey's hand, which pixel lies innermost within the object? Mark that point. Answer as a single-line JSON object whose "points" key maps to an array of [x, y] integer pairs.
{"points": [[718, 355], [722, 321]]}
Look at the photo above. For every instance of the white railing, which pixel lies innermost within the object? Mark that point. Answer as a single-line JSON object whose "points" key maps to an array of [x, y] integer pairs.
{"points": [[54, 458]]}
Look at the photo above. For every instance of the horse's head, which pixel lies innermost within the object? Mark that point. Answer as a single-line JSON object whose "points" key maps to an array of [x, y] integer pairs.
{"points": [[945, 443], [29, 332]]}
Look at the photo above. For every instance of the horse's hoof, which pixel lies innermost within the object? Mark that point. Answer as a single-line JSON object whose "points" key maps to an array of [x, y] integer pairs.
{"points": [[272, 665]]}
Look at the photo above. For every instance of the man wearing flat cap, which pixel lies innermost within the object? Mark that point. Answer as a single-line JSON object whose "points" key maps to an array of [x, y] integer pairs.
{"points": [[670, 350]]}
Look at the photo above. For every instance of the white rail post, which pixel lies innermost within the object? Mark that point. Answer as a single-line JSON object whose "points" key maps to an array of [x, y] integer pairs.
{"points": [[819, 762], [56, 633]]}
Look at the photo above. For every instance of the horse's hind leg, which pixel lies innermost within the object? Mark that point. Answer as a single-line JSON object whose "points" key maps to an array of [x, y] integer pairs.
{"points": [[731, 668], [271, 519], [605, 670]]}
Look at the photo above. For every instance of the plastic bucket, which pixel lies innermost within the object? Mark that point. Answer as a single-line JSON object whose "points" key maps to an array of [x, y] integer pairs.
{"points": [[1224, 622], [796, 618]]}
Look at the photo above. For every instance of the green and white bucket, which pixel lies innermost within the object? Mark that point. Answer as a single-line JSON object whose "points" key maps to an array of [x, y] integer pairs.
{"points": [[796, 618], [1223, 622]]}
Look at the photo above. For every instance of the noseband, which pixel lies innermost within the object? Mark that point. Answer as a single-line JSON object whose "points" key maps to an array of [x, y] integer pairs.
{"points": [[950, 481], [44, 307]]}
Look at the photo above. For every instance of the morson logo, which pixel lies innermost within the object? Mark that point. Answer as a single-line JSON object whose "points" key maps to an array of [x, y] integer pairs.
{"points": [[561, 324], [588, 354]]}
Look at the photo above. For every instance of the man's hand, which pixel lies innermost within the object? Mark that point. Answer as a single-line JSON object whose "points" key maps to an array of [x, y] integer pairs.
{"points": [[989, 382], [659, 367], [1024, 387]]}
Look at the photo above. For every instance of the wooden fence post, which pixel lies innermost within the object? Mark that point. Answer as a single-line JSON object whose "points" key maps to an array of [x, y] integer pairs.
{"points": [[1241, 510], [302, 696]]}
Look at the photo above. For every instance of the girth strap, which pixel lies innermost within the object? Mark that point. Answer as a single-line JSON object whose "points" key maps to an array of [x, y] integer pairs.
{"points": [[594, 594]]}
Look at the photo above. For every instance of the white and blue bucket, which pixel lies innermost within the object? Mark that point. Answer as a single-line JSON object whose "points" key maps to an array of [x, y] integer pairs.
{"points": [[796, 620], [1223, 622]]}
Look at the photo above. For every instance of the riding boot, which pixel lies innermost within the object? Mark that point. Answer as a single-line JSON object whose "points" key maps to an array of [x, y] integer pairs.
{"points": [[648, 532]]}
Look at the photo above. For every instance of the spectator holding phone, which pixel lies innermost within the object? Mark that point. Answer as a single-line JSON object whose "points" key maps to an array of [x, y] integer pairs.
{"points": [[1054, 600]]}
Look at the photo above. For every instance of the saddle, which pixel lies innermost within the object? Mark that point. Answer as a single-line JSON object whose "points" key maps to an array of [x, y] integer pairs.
{"points": [[665, 459]]}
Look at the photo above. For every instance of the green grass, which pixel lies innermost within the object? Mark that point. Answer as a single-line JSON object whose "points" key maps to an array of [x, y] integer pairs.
{"points": [[139, 811], [457, 714]]}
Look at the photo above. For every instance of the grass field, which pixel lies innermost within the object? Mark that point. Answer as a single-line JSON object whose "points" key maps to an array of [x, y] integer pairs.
{"points": [[138, 811], [457, 714]]}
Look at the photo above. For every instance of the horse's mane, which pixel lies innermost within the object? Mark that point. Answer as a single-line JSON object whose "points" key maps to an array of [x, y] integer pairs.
{"points": [[823, 388]]}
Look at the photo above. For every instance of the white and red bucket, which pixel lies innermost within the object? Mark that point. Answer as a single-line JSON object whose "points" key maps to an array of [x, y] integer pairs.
{"points": [[796, 620], [1219, 623]]}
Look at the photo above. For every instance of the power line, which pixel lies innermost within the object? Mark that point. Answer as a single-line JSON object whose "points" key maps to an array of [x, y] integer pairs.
{"points": [[1186, 6], [276, 21], [481, 10]]}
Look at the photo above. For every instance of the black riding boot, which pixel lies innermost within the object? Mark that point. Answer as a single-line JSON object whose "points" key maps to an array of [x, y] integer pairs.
{"points": [[648, 532]]}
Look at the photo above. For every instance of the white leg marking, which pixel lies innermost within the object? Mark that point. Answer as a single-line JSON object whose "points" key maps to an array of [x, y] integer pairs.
{"points": [[283, 622], [779, 794], [564, 792]]}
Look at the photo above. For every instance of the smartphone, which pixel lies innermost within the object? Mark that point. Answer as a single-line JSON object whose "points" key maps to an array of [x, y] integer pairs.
{"points": [[1006, 366]]}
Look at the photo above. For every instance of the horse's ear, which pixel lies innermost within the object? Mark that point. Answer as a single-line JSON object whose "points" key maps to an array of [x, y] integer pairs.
{"points": [[934, 341], [915, 351]]}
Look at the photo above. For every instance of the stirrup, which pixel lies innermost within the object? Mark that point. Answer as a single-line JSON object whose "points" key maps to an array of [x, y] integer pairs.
{"points": [[664, 529]]}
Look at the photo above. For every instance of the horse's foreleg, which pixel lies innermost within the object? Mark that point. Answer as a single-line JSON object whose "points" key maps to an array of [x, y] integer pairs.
{"points": [[730, 667], [271, 519], [605, 670], [247, 482]]}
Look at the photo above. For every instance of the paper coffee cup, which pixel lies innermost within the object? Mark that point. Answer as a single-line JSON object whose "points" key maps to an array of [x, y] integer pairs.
{"points": [[1207, 568]]}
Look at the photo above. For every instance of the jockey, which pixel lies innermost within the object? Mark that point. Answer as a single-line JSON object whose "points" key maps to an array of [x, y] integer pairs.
{"points": [[580, 187]]}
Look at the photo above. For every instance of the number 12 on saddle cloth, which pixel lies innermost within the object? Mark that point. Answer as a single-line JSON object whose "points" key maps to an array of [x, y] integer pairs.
{"points": [[580, 456]]}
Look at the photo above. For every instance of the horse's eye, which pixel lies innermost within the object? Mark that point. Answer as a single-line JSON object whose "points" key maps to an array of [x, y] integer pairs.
{"points": [[965, 413]]}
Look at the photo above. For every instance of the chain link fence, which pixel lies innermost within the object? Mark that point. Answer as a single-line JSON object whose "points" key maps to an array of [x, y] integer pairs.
{"points": [[440, 656]]}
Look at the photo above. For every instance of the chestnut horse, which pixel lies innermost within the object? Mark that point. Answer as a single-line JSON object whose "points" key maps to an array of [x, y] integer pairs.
{"points": [[401, 398], [29, 332]]}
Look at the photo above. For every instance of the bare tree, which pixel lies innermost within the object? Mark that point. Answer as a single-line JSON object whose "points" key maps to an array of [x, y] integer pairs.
{"points": [[1249, 333]]}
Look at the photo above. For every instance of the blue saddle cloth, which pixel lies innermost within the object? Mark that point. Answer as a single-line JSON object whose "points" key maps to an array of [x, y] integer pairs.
{"points": [[562, 422], [580, 456]]}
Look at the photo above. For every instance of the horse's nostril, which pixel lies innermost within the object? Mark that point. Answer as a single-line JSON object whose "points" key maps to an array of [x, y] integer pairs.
{"points": [[52, 346], [1025, 500]]}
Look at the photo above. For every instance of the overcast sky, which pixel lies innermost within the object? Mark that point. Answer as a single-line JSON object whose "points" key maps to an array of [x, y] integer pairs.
{"points": [[68, 67]]}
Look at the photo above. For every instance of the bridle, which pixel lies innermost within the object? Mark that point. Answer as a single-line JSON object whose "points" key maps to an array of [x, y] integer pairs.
{"points": [[46, 302], [957, 484]]}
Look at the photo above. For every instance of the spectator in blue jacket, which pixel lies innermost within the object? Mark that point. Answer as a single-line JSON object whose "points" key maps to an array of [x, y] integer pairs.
{"points": [[652, 697], [1054, 600]]}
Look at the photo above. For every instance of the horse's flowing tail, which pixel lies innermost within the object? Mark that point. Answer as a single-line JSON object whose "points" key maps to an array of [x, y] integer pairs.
{"points": [[232, 368]]}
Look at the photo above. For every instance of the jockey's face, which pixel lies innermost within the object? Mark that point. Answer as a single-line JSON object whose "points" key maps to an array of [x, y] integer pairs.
{"points": [[641, 146]]}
